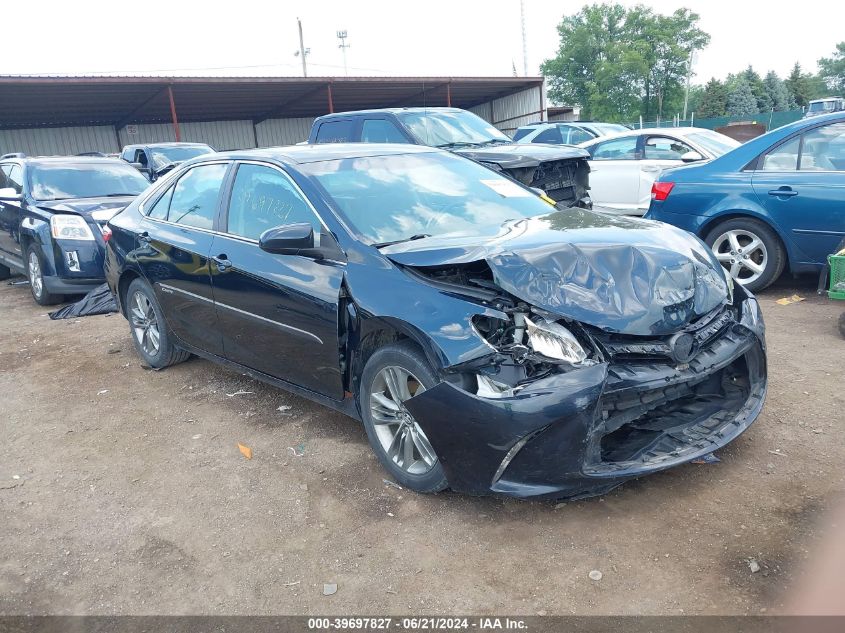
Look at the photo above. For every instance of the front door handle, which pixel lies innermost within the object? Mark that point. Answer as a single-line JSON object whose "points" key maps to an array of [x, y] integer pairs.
{"points": [[783, 191], [223, 262]]}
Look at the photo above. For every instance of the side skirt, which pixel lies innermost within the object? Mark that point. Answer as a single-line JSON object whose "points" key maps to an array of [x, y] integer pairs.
{"points": [[346, 406]]}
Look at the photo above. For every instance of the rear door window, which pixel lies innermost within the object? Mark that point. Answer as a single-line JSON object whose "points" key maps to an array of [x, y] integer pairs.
{"points": [[784, 157], [664, 148], [552, 135], [340, 131], [195, 196], [381, 131]]}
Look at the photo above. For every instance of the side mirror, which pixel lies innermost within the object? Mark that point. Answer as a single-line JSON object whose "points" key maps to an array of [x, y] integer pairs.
{"points": [[691, 157], [9, 193], [289, 239]]}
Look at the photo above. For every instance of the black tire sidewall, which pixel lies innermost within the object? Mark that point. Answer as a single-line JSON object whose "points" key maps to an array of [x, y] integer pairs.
{"points": [[46, 298], [409, 357], [165, 347], [774, 248]]}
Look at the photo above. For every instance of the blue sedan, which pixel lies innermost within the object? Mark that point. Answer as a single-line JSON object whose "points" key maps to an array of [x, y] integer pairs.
{"points": [[775, 203]]}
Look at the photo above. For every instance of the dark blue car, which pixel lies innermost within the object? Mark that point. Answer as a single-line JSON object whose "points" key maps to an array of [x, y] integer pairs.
{"points": [[52, 215], [775, 203]]}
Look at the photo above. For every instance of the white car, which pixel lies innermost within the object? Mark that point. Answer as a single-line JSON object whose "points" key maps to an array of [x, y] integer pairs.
{"points": [[565, 133], [624, 166]]}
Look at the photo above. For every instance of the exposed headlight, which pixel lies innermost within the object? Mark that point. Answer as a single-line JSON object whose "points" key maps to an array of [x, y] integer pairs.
{"points": [[104, 215], [70, 227], [552, 340]]}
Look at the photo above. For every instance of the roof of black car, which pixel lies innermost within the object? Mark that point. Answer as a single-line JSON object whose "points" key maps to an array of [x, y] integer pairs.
{"points": [[390, 111], [323, 151]]}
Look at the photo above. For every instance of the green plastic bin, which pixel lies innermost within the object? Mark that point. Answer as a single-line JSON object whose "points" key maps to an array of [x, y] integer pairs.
{"points": [[837, 276]]}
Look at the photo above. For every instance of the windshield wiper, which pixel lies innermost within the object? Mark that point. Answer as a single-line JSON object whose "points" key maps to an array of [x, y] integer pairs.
{"points": [[493, 141], [116, 195], [418, 236], [457, 144]]}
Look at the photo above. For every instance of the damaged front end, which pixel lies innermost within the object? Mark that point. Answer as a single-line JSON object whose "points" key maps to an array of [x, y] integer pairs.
{"points": [[562, 408]]}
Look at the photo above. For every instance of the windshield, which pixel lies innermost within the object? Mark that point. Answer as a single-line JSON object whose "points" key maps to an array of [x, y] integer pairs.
{"points": [[715, 143], [821, 106], [162, 156], [62, 181], [439, 129], [395, 197]]}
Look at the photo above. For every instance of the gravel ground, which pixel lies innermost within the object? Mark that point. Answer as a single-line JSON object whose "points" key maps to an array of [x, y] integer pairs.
{"points": [[123, 491]]}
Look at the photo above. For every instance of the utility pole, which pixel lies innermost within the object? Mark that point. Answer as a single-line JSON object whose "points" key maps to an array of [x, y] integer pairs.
{"points": [[341, 35], [524, 39], [302, 50]]}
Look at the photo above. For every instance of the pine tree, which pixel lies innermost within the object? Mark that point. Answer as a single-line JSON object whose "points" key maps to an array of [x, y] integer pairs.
{"points": [[758, 88], [713, 100], [778, 94], [798, 85], [741, 100]]}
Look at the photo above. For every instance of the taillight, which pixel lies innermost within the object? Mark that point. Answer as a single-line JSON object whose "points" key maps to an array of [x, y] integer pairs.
{"points": [[106, 233], [660, 190]]}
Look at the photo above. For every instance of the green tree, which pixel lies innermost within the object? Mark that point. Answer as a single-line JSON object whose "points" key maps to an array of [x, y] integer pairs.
{"points": [[713, 100], [741, 99], [758, 88], [778, 94], [799, 86], [832, 69], [617, 63]]}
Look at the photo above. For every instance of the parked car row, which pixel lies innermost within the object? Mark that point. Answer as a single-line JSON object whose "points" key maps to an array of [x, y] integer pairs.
{"points": [[491, 334]]}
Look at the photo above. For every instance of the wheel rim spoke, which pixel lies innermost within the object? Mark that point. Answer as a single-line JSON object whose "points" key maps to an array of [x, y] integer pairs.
{"points": [[395, 428], [743, 254]]}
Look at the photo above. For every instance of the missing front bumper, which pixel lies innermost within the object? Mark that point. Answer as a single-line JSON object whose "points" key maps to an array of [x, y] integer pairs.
{"points": [[586, 431]]}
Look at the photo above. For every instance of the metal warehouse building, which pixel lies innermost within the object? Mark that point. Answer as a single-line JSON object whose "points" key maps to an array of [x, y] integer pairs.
{"points": [[69, 115]]}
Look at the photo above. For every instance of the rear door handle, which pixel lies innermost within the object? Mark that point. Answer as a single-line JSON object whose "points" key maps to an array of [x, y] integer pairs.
{"points": [[223, 263], [783, 191]]}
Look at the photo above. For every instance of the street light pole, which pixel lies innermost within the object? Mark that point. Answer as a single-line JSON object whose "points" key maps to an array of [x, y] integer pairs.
{"points": [[689, 73], [341, 35]]}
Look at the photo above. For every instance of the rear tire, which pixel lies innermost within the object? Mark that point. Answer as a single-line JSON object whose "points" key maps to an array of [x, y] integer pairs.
{"points": [[35, 274], [393, 374], [150, 336], [749, 250]]}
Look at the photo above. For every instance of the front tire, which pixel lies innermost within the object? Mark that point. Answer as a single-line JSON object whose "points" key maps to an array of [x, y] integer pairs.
{"points": [[749, 250], [148, 328], [35, 274], [392, 375]]}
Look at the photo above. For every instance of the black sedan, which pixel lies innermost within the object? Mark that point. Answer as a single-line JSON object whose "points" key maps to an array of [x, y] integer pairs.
{"points": [[488, 341]]}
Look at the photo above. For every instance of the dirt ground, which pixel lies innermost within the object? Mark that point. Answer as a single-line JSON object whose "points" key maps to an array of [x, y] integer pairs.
{"points": [[123, 491]]}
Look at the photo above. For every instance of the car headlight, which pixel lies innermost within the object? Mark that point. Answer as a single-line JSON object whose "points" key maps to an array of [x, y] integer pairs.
{"points": [[70, 227], [729, 280], [552, 340]]}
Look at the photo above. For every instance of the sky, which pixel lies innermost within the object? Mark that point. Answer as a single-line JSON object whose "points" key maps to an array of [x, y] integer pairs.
{"points": [[387, 38]]}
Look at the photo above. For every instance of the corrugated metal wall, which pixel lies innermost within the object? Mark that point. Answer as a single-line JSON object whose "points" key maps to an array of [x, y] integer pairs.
{"points": [[221, 135], [506, 113], [275, 132], [59, 140]]}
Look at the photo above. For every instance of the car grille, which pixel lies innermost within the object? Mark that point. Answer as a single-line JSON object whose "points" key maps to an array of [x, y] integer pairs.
{"points": [[637, 349], [557, 179]]}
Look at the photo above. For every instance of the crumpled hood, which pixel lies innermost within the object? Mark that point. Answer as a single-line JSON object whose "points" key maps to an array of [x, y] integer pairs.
{"points": [[617, 273], [522, 155], [87, 206]]}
